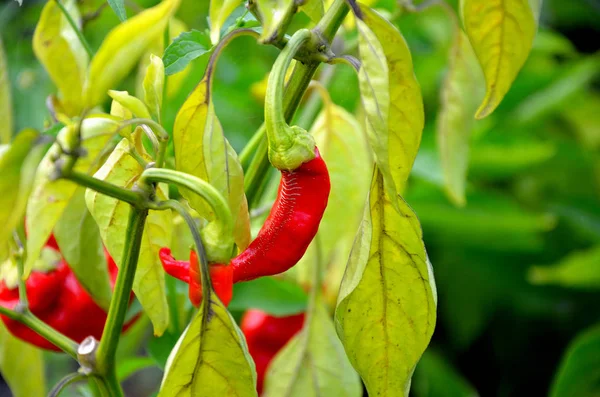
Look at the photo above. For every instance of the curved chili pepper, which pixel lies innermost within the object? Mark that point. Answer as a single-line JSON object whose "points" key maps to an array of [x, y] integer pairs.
{"points": [[266, 335]]}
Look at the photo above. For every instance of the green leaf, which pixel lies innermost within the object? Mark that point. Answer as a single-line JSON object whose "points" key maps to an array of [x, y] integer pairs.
{"points": [[314, 9], [83, 250], [6, 127], [576, 270], [21, 365], [211, 357], [131, 103], [153, 84], [112, 215], [434, 377], [202, 150], [313, 362], [122, 48], [389, 285], [218, 13], [132, 365], [185, 48], [273, 13], [391, 97], [49, 198], [501, 33], [578, 373], [274, 296], [460, 97], [118, 6], [58, 48]]}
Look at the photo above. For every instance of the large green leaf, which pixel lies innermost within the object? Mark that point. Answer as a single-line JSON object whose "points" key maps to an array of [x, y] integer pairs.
{"points": [[6, 127], [185, 48], [122, 48], [577, 270], [501, 33], [211, 357], [388, 285], [460, 97], [58, 48], [49, 197], [391, 97], [22, 366], [112, 216], [313, 363], [83, 250], [578, 374]]}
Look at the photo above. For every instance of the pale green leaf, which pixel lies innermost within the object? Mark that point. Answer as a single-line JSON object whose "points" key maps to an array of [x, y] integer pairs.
{"points": [[6, 127], [219, 12], [501, 33], [58, 48], [576, 270], [578, 373], [211, 357], [118, 6], [122, 48], [389, 285], [460, 96], [314, 9], [154, 83], [49, 198], [83, 250], [273, 14], [112, 216], [131, 103], [313, 363], [22, 366], [391, 97]]}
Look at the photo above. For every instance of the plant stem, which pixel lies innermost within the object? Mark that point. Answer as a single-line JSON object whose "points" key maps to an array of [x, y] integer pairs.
{"points": [[105, 355], [78, 32], [129, 196]]}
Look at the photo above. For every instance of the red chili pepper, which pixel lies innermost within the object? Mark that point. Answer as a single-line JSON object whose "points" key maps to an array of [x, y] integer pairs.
{"points": [[266, 335], [292, 224], [221, 276]]}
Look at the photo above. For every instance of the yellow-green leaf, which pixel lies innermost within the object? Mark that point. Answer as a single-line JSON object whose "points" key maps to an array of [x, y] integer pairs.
{"points": [[49, 198], [388, 285], [314, 9], [22, 366], [219, 12], [112, 216], [211, 357], [6, 115], [576, 270], [122, 48], [313, 363], [460, 95], [202, 150], [58, 48], [501, 33], [391, 97], [154, 82], [131, 103], [273, 14]]}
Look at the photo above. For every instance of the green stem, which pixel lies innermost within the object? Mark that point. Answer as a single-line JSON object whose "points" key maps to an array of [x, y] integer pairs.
{"points": [[105, 355], [78, 32], [161, 137], [129, 196]]}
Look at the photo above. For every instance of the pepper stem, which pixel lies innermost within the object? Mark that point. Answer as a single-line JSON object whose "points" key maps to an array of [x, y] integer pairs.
{"points": [[289, 146]]}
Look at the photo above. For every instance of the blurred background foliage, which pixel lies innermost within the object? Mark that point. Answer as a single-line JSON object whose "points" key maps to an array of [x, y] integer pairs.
{"points": [[518, 268]]}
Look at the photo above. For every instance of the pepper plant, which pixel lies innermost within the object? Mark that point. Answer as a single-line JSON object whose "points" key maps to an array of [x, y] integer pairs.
{"points": [[112, 180]]}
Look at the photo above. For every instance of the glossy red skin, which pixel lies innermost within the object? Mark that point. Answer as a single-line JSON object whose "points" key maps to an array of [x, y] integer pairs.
{"points": [[221, 276], [266, 335], [292, 224]]}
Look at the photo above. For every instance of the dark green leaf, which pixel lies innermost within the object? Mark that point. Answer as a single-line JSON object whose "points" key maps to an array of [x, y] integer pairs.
{"points": [[435, 377], [274, 296], [185, 48]]}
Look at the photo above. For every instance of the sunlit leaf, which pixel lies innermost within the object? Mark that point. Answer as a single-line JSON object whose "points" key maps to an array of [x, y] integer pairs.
{"points": [[154, 83], [460, 97], [314, 9], [313, 363], [58, 48], [20, 364], [118, 7], [122, 48], [185, 48], [49, 198], [391, 97], [273, 14], [577, 270], [211, 358], [112, 216], [83, 250], [434, 377], [501, 33], [578, 372], [219, 12], [6, 127], [389, 285]]}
